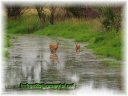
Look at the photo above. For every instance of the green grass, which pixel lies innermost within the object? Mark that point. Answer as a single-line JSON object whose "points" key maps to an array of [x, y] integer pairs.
{"points": [[23, 25], [8, 44], [104, 44]]}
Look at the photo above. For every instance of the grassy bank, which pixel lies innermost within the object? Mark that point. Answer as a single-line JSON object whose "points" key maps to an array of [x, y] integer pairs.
{"points": [[8, 44], [104, 44]]}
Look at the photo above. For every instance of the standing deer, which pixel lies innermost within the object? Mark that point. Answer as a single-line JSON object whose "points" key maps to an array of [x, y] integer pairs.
{"points": [[53, 47], [77, 47]]}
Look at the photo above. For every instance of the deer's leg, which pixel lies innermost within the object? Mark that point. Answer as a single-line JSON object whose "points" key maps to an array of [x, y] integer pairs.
{"points": [[79, 50], [52, 51], [55, 50], [76, 50]]}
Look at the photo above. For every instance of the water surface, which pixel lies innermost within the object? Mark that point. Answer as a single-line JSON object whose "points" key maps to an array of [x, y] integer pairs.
{"points": [[31, 62]]}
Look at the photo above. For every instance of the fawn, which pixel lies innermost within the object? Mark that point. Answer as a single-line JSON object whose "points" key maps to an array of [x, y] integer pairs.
{"points": [[77, 47], [53, 47]]}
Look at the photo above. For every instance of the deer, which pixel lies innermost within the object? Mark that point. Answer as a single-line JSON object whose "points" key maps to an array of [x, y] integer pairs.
{"points": [[53, 47], [77, 47]]}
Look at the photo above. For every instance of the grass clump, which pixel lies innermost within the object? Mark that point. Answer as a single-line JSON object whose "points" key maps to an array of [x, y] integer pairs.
{"points": [[8, 44]]}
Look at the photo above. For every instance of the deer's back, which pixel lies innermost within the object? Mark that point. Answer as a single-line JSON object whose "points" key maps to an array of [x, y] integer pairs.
{"points": [[54, 45]]}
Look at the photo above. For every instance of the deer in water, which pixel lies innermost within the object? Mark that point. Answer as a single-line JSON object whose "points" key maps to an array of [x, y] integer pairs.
{"points": [[53, 47], [77, 47]]}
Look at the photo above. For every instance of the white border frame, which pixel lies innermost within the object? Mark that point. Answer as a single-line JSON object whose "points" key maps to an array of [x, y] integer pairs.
{"points": [[89, 2]]}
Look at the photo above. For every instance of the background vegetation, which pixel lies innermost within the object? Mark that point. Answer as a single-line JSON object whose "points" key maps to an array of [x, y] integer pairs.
{"points": [[100, 27]]}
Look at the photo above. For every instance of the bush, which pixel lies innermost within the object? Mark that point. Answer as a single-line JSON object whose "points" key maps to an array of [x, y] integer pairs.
{"points": [[111, 18]]}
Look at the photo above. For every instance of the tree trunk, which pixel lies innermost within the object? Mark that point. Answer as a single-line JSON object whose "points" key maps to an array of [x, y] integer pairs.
{"points": [[52, 15], [13, 11], [41, 15]]}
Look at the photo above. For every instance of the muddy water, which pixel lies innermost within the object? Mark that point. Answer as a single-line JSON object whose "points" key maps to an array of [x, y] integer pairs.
{"points": [[31, 62]]}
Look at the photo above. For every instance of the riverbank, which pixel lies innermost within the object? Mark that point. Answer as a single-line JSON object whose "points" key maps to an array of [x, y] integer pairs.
{"points": [[104, 44]]}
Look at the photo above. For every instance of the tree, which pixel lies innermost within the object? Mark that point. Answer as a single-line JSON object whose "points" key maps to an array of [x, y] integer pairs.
{"points": [[41, 15], [76, 11], [83, 11], [52, 15], [111, 18], [13, 11]]}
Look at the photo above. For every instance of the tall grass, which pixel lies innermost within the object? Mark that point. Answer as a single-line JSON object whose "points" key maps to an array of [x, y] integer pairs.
{"points": [[25, 24]]}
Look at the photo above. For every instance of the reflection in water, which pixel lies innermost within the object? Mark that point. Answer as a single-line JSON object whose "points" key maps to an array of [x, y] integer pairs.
{"points": [[32, 62], [54, 59], [29, 58]]}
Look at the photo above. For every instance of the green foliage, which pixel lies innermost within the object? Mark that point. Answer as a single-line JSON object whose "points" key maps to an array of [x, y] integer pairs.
{"points": [[8, 41], [25, 24], [111, 18]]}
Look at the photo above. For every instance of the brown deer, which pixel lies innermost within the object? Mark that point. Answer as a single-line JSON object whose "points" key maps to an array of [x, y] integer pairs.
{"points": [[53, 47], [77, 47]]}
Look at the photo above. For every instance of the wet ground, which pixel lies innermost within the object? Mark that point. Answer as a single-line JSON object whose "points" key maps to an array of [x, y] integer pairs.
{"points": [[31, 62]]}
